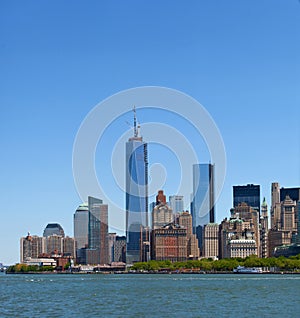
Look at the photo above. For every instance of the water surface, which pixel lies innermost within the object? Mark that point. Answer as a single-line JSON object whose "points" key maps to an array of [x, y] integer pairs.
{"points": [[148, 295]]}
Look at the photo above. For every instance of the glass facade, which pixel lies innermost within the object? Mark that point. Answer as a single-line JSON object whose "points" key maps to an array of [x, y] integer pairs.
{"points": [[293, 193], [98, 230], [53, 229], [203, 198], [81, 221], [203, 194], [136, 196], [176, 203], [249, 194]]}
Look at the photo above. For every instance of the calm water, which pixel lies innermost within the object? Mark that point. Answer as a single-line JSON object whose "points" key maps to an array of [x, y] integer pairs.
{"points": [[149, 295]]}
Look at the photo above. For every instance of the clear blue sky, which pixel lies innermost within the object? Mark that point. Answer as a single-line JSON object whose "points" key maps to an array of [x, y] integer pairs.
{"points": [[240, 59]]}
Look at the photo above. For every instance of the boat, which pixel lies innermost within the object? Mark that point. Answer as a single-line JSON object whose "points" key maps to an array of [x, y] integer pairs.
{"points": [[247, 270]]}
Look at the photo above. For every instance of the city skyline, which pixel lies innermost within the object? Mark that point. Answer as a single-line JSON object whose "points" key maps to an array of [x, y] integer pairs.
{"points": [[239, 60]]}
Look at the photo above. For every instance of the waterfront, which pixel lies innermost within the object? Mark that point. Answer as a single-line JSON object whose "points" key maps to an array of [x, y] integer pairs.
{"points": [[149, 295]]}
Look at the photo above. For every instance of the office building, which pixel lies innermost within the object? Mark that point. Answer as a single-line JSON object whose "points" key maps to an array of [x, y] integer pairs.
{"points": [[69, 249], [81, 222], [145, 250], [249, 194], [288, 215], [275, 212], [264, 227], [53, 229], [136, 193], [185, 221], [161, 214], [211, 241], [284, 219], [169, 243], [176, 203], [54, 244], [120, 249], [97, 232], [203, 211], [293, 193], [251, 215], [278, 238], [112, 237], [240, 234]]}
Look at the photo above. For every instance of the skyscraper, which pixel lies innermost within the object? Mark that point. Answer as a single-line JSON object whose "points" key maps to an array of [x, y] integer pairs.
{"points": [[211, 240], [293, 193], [249, 194], [97, 231], [53, 229], [185, 221], [176, 203], [203, 211], [264, 227], [31, 246], [136, 193], [81, 230]]}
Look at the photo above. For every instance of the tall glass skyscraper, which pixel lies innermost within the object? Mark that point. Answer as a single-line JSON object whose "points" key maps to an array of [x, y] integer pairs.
{"points": [[136, 194], [203, 211], [81, 221], [97, 232], [81, 226]]}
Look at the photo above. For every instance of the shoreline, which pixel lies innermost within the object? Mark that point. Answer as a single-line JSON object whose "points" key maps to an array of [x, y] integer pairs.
{"points": [[152, 273]]}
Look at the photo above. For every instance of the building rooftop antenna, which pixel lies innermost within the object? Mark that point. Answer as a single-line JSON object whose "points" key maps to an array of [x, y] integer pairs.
{"points": [[135, 130]]}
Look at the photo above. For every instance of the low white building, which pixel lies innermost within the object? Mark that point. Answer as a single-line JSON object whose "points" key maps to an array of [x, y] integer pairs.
{"points": [[40, 261]]}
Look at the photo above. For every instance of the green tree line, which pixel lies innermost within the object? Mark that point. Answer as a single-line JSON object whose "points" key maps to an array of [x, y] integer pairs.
{"points": [[23, 268], [223, 265]]}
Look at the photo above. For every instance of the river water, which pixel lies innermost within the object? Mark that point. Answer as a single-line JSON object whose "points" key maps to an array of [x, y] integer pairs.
{"points": [[149, 295]]}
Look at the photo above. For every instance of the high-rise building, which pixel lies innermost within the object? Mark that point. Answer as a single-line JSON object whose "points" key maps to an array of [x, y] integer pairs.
{"points": [[278, 197], [203, 211], [120, 249], [81, 222], [54, 244], [81, 230], [111, 246], [185, 221], [288, 215], [275, 194], [53, 229], [211, 241], [69, 249], [176, 203], [136, 193], [278, 238], [97, 232], [31, 246], [264, 227], [284, 219], [249, 194], [240, 234], [161, 214], [293, 193]]}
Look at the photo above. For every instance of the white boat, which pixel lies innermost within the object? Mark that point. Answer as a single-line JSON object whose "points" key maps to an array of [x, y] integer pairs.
{"points": [[247, 270]]}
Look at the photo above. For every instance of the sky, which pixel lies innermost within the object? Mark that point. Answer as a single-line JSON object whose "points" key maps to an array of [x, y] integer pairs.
{"points": [[59, 59]]}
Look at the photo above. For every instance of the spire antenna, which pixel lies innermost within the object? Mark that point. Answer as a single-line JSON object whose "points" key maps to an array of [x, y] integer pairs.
{"points": [[135, 130]]}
